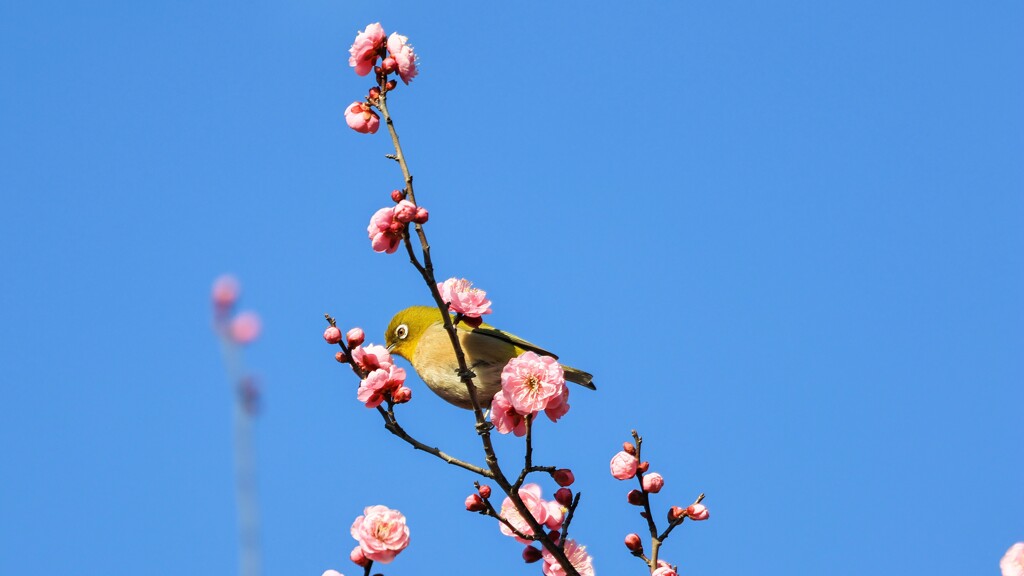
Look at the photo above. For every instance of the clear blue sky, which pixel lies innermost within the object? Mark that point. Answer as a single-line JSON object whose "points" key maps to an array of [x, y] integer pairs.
{"points": [[786, 237]]}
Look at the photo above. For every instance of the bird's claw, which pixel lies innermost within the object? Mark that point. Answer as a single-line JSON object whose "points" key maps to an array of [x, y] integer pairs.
{"points": [[484, 427], [467, 373]]}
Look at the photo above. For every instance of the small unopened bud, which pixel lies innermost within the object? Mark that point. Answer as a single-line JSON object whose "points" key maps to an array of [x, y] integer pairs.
{"points": [[564, 497], [378, 70], [391, 85], [555, 536], [531, 554], [563, 477], [643, 466], [389, 65], [225, 292], [358, 557], [675, 513], [635, 497], [421, 216], [355, 337], [633, 542], [332, 335], [402, 395], [374, 93], [474, 503], [653, 483], [340, 357], [697, 512], [397, 195], [484, 491], [628, 448]]}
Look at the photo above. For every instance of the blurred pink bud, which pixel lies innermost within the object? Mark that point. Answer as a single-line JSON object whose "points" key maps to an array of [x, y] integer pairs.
{"points": [[697, 512], [402, 54], [564, 477], [332, 335], [355, 337], [421, 216], [405, 211], [364, 51], [474, 503], [374, 93], [397, 195], [340, 357], [531, 554], [563, 496], [635, 497], [402, 395], [388, 65], [623, 465], [633, 542], [358, 557], [361, 118], [1012, 563], [245, 327], [628, 448], [653, 482], [225, 292], [382, 533], [643, 466], [675, 513], [484, 490]]}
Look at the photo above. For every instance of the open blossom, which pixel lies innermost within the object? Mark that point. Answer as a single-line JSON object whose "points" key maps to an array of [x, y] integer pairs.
{"points": [[385, 231], [1012, 563], [404, 57], [371, 357], [558, 406], [361, 118], [578, 557], [664, 569], [505, 418], [623, 465], [556, 515], [530, 382], [530, 494], [378, 383], [364, 51], [464, 299], [381, 533]]}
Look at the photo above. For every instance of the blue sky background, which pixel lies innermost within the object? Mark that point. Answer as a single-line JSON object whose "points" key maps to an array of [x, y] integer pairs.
{"points": [[786, 237]]}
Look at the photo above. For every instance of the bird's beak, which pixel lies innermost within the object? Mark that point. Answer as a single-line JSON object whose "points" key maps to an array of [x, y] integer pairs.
{"points": [[392, 347]]}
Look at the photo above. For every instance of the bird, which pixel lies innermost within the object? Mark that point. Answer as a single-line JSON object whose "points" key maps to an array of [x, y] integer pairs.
{"points": [[417, 334]]}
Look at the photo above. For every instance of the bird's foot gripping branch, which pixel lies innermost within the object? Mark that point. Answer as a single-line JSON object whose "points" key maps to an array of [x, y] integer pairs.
{"points": [[472, 365]]}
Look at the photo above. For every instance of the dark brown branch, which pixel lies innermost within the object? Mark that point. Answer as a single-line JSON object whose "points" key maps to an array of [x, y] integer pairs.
{"points": [[569, 516]]}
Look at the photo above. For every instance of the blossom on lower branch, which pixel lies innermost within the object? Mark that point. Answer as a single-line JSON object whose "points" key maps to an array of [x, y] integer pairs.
{"points": [[578, 557], [381, 533], [548, 513]]}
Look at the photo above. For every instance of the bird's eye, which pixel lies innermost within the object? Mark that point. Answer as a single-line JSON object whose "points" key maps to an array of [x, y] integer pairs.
{"points": [[402, 331]]}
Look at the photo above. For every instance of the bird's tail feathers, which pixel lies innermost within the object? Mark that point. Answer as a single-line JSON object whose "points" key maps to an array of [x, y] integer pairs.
{"points": [[579, 376]]}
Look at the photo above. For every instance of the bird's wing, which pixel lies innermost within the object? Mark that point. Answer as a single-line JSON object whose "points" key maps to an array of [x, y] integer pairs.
{"points": [[492, 332]]}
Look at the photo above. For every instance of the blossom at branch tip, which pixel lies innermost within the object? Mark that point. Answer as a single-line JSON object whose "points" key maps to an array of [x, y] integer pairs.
{"points": [[385, 231], [464, 298], [355, 337], [664, 569], [633, 543], [505, 418], [361, 118], [246, 327], [366, 48], [530, 495], [623, 465], [697, 512], [578, 557], [653, 482], [1012, 563], [530, 382], [404, 56], [332, 335], [381, 532], [225, 292], [380, 382], [371, 357]]}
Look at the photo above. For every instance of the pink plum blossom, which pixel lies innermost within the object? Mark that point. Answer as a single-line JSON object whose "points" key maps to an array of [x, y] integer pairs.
{"points": [[664, 569], [366, 48], [1012, 563], [404, 57], [578, 557], [505, 418], [381, 532], [653, 482], [371, 357], [355, 337], [378, 383], [559, 406], [357, 556], [530, 494], [246, 327], [530, 382], [361, 118], [405, 211], [332, 335], [463, 298], [225, 292], [623, 465], [401, 395], [556, 515], [697, 512], [385, 231]]}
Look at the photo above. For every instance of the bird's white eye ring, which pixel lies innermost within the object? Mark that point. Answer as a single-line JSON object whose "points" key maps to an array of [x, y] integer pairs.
{"points": [[402, 331]]}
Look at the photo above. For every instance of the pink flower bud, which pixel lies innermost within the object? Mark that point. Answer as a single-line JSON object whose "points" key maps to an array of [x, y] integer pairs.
{"points": [[675, 513], [361, 118], [405, 211], [628, 448], [357, 556], [421, 216], [402, 395], [484, 491], [635, 497], [374, 93], [653, 482], [697, 512], [340, 357], [474, 503], [245, 328], [564, 497], [531, 554], [225, 292], [633, 542], [643, 466], [355, 337], [563, 477], [397, 195], [388, 65], [332, 335], [623, 465], [391, 85]]}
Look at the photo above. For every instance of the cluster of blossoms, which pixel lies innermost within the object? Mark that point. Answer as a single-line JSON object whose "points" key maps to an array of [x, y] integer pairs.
{"points": [[381, 534], [463, 299], [383, 379], [242, 328], [395, 56], [530, 383], [387, 225]]}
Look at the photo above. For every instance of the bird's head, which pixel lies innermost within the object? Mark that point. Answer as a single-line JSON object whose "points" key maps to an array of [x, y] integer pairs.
{"points": [[407, 327]]}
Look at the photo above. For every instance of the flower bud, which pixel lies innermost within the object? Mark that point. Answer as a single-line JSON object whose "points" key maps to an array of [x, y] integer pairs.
{"points": [[484, 491], [340, 357], [405, 211], [628, 448], [358, 557], [563, 477], [245, 327], [374, 93], [643, 466], [675, 513], [531, 554], [225, 292], [474, 503], [355, 337], [378, 71], [332, 335], [653, 483], [564, 497], [402, 395], [697, 512], [635, 497], [421, 216], [623, 465], [555, 536], [390, 85], [633, 542], [389, 65], [397, 195]]}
